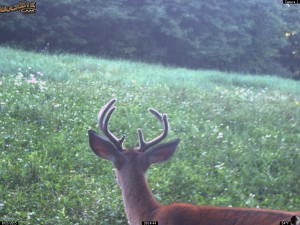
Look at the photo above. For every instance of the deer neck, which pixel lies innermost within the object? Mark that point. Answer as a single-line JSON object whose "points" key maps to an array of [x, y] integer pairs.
{"points": [[138, 199]]}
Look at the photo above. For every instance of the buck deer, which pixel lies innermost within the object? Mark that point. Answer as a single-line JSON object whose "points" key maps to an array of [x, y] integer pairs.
{"points": [[140, 204]]}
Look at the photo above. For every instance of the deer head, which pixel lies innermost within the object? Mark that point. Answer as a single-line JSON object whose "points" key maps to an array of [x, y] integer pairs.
{"points": [[111, 148]]}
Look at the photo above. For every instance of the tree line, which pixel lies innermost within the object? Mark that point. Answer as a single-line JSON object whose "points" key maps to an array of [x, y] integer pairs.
{"points": [[242, 36]]}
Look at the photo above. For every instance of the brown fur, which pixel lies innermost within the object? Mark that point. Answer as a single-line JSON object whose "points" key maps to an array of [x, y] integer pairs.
{"points": [[187, 214]]}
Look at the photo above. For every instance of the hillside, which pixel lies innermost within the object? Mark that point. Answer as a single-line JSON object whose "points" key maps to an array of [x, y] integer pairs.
{"points": [[240, 136]]}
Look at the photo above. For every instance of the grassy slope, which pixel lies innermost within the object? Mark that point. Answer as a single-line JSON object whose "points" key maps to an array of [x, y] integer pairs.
{"points": [[240, 136]]}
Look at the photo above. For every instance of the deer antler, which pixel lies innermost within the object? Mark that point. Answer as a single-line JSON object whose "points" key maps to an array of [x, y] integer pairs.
{"points": [[103, 118], [143, 146]]}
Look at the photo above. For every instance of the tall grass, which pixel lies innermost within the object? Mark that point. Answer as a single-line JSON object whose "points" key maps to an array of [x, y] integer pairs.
{"points": [[240, 136]]}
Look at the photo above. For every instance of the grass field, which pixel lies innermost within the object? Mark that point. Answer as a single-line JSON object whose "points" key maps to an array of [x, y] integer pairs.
{"points": [[240, 136]]}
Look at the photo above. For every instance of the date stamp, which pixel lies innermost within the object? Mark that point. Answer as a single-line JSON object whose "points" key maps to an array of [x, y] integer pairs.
{"points": [[149, 222]]}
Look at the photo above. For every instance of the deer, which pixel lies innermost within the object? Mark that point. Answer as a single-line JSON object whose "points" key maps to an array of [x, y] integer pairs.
{"points": [[140, 203]]}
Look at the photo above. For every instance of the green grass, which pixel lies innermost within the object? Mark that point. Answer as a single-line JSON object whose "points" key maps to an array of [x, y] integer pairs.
{"points": [[240, 136]]}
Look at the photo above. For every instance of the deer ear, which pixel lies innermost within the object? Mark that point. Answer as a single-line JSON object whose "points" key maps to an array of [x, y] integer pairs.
{"points": [[103, 148], [160, 153]]}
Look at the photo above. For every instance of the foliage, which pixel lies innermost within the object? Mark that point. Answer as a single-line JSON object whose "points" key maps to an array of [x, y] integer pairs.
{"points": [[239, 137], [289, 55], [244, 36]]}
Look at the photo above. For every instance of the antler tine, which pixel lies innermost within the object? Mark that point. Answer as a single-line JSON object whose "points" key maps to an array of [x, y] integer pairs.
{"points": [[143, 146], [103, 120], [103, 112]]}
